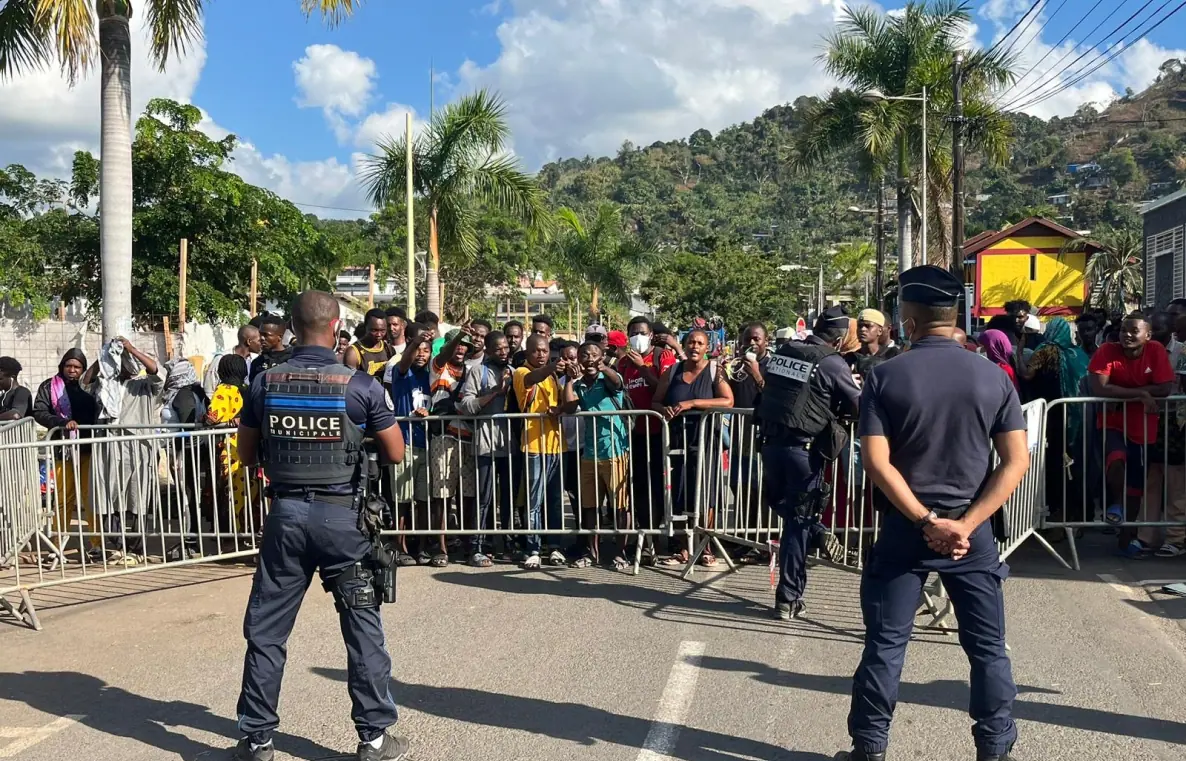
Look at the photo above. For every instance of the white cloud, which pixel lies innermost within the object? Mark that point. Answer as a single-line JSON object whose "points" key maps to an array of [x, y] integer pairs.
{"points": [[582, 77], [391, 122], [1057, 81], [43, 120], [335, 80]]}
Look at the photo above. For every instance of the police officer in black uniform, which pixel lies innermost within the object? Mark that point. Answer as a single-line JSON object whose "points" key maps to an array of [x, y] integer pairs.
{"points": [[808, 386], [304, 420], [929, 421]]}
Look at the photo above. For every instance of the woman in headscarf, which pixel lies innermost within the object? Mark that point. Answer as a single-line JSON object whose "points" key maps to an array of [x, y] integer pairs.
{"points": [[999, 349], [183, 395], [62, 405], [225, 408], [1055, 371]]}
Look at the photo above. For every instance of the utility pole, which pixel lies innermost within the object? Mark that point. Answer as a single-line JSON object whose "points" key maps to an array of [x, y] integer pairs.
{"points": [[879, 282], [957, 164]]}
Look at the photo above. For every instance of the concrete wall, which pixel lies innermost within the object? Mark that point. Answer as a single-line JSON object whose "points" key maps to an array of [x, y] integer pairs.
{"points": [[39, 345]]}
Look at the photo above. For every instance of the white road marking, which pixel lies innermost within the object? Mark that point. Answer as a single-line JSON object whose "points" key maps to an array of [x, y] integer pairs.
{"points": [[1115, 583], [673, 704], [26, 737]]}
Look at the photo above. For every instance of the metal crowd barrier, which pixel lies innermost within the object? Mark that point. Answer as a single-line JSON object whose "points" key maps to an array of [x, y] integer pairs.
{"points": [[109, 504], [470, 484], [1103, 452], [731, 506], [20, 508]]}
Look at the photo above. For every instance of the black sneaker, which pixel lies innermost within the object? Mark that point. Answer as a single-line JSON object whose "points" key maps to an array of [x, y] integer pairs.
{"points": [[860, 755], [981, 756], [243, 752], [394, 748]]}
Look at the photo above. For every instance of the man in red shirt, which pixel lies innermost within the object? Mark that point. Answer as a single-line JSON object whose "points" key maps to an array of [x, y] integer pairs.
{"points": [[1137, 369], [641, 366]]}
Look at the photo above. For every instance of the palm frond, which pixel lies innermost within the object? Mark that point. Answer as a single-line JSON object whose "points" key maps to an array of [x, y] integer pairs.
{"points": [[25, 41], [71, 27], [468, 130], [175, 25], [332, 11]]}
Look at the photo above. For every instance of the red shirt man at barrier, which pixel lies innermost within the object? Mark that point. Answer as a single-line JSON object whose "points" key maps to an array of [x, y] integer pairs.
{"points": [[641, 366], [1137, 369]]}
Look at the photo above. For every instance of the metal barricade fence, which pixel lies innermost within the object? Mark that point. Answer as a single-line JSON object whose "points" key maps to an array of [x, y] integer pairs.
{"points": [[19, 505], [1119, 466], [112, 504], [532, 483]]}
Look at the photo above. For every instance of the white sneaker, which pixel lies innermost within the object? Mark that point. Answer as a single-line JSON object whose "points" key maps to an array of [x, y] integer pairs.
{"points": [[557, 558], [532, 562]]}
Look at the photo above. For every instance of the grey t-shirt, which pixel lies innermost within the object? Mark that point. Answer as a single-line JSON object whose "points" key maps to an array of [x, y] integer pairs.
{"points": [[940, 405]]}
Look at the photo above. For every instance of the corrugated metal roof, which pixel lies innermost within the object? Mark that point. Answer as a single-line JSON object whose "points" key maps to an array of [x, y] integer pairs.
{"points": [[1158, 203]]}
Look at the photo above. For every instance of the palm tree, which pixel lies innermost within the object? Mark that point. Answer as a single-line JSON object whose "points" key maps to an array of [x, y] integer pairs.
{"points": [[35, 33], [1114, 274], [599, 256], [459, 165], [897, 56]]}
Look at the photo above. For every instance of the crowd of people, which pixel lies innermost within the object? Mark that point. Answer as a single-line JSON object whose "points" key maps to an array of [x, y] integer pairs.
{"points": [[472, 465]]}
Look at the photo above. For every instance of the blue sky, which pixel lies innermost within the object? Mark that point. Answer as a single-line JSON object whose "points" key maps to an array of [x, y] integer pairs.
{"points": [[578, 76]]}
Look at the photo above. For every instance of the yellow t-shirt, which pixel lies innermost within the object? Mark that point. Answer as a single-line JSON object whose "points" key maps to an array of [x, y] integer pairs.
{"points": [[540, 436]]}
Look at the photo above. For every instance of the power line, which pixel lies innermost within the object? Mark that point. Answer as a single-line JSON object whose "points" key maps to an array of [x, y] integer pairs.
{"points": [[1141, 35], [332, 208], [1050, 50], [1012, 29], [1056, 79]]}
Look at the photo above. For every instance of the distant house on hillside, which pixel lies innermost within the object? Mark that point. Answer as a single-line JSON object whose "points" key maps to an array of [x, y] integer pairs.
{"points": [[1165, 257], [1024, 262]]}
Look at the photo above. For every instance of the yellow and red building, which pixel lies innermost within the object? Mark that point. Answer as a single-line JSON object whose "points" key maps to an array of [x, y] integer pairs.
{"points": [[1026, 261]]}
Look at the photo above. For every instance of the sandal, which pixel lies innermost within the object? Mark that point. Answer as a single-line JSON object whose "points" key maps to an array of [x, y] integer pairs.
{"points": [[532, 563], [440, 561], [404, 560], [708, 560], [621, 564], [672, 561], [478, 560], [1114, 516], [1169, 550], [423, 558], [585, 562]]}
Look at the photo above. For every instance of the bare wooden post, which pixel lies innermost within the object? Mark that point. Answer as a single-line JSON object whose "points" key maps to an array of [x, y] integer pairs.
{"points": [[371, 287], [526, 317], [254, 285], [411, 204], [168, 337], [181, 285]]}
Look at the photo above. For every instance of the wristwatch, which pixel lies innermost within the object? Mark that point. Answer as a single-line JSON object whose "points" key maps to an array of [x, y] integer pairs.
{"points": [[928, 518]]}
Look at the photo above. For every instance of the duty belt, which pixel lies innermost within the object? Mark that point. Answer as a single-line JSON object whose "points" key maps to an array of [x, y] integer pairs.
{"points": [[952, 513], [346, 500]]}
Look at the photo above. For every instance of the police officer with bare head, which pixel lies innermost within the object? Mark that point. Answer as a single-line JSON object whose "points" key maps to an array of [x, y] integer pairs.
{"points": [[930, 420], [304, 420], [808, 388]]}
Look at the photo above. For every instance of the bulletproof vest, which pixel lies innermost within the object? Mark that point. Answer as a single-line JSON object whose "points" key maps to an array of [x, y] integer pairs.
{"points": [[793, 396], [307, 438]]}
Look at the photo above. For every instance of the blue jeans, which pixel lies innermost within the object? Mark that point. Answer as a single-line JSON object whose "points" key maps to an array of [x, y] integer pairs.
{"points": [[494, 486], [543, 494]]}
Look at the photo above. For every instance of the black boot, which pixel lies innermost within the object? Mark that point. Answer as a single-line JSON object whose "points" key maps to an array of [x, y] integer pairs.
{"points": [[860, 755], [982, 756], [244, 752]]}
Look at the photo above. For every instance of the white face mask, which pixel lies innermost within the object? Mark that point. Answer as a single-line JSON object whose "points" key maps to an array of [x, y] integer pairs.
{"points": [[640, 342]]}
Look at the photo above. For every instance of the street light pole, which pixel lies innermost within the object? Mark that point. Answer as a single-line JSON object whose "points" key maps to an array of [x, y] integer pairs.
{"points": [[879, 281], [925, 181], [957, 164]]}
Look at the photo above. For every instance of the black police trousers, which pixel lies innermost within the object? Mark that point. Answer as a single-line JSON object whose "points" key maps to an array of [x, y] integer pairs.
{"points": [[891, 587], [791, 472], [301, 536]]}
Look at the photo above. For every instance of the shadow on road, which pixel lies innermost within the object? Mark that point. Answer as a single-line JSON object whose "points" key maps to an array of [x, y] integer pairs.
{"points": [[572, 722], [119, 713], [738, 601], [952, 694]]}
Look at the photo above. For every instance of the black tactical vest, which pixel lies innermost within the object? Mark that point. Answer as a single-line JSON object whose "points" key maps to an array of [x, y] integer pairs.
{"points": [[793, 397], [307, 438]]}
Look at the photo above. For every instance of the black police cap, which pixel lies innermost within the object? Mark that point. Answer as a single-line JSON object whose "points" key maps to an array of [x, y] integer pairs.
{"points": [[930, 285], [835, 317]]}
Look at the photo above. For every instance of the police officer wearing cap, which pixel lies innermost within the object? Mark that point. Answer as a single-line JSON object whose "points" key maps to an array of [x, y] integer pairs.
{"points": [[930, 420], [808, 387], [304, 421]]}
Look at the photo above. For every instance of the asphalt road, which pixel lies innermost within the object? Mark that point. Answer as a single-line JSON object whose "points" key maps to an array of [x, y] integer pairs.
{"points": [[593, 665]]}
